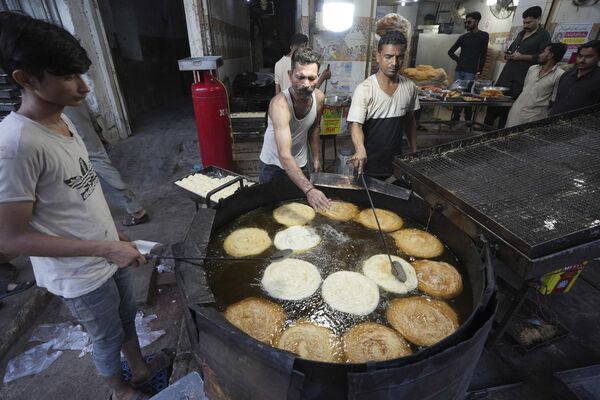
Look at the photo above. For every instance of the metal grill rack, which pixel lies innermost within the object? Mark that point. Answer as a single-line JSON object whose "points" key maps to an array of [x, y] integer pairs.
{"points": [[537, 187]]}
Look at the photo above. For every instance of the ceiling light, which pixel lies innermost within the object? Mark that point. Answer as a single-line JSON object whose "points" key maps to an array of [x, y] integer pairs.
{"points": [[491, 2], [403, 3], [338, 15]]}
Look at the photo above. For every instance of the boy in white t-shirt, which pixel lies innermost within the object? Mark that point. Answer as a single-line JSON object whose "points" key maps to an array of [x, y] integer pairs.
{"points": [[51, 204]]}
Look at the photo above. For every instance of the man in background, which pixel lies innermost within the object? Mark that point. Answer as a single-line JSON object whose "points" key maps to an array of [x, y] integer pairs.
{"points": [[580, 87], [284, 65], [520, 56], [541, 84], [473, 50]]}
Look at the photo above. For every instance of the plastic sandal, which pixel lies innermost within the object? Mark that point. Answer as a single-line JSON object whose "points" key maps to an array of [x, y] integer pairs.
{"points": [[21, 287]]}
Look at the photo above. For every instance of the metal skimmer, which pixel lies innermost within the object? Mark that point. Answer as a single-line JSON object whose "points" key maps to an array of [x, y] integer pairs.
{"points": [[395, 266]]}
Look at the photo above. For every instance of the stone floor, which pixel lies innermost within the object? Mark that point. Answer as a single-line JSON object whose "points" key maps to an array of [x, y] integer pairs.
{"points": [[164, 148]]}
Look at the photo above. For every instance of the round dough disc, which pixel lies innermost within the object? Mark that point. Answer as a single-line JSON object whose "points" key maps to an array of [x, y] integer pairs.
{"points": [[311, 342], [297, 238], [291, 214], [259, 318], [370, 341], [291, 279], [388, 220], [340, 211], [418, 243], [422, 321], [438, 279], [247, 242], [379, 270], [350, 292]]}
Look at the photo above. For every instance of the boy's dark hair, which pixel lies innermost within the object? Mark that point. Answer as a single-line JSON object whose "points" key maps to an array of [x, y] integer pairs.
{"points": [[305, 56], [475, 15], [391, 37], [36, 46], [298, 39], [558, 50], [533, 12], [594, 44]]}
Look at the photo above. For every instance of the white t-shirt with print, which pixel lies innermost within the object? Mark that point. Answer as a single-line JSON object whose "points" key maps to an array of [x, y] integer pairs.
{"points": [[54, 173]]}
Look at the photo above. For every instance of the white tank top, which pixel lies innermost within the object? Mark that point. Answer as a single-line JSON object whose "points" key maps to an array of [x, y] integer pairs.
{"points": [[299, 129]]}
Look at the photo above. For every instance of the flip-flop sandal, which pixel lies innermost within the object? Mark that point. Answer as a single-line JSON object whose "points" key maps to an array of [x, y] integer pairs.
{"points": [[132, 220], [18, 289], [160, 376]]}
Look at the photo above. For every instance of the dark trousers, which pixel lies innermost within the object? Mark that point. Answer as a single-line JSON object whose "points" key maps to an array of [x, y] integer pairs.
{"points": [[493, 113]]}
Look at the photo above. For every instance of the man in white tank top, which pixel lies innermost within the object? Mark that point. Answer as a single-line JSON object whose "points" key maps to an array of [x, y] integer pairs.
{"points": [[294, 116]]}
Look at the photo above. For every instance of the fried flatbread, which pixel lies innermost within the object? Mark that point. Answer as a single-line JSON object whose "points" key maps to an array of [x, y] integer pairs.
{"points": [[297, 238], [388, 220], [369, 341], [340, 211], [350, 292], [422, 321], [418, 243], [292, 214], [247, 242], [311, 342], [259, 318], [438, 279], [379, 270], [291, 279]]}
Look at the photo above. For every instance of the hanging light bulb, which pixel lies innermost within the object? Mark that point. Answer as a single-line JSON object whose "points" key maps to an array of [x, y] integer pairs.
{"points": [[491, 2], [403, 3], [338, 15]]}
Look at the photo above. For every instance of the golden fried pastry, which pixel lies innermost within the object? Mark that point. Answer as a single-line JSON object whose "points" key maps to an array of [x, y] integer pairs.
{"points": [[491, 93], [297, 238], [247, 242], [350, 292], [291, 214], [422, 321], [438, 279], [291, 279], [379, 270], [370, 341], [340, 211], [388, 220], [418, 243], [311, 342], [259, 318]]}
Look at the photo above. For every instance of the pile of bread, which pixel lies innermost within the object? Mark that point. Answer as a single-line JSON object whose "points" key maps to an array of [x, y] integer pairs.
{"points": [[423, 73]]}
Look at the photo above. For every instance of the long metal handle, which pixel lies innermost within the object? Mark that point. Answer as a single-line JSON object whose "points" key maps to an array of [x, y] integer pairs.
{"points": [[387, 251]]}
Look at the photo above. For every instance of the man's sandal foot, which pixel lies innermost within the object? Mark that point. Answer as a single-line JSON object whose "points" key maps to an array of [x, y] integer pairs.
{"points": [[131, 220], [161, 360], [20, 287]]}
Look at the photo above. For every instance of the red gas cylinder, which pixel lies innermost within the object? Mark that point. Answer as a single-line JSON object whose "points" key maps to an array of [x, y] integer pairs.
{"points": [[211, 109]]}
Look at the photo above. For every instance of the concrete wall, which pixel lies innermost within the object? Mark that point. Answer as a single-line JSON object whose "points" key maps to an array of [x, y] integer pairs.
{"points": [[347, 52], [230, 25]]}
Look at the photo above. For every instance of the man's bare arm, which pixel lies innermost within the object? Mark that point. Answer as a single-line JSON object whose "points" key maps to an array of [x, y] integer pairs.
{"points": [[410, 126], [18, 237], [277, 89], [315, 132], [360, 153]]}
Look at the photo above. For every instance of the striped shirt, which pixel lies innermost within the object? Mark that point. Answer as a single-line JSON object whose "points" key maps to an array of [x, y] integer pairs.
{"points": [[382, 119], [534, 101]]}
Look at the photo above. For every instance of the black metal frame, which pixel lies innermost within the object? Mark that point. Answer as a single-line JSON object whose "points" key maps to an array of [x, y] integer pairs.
{"points": [[525, 263]]}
